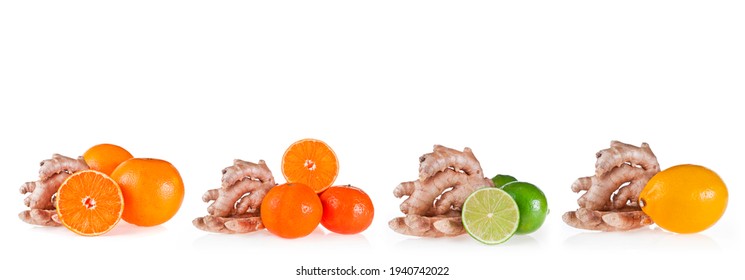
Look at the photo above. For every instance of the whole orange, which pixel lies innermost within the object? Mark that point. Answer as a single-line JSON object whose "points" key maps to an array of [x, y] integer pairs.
{"points": [[685, 198], [105, 157], [346, 209], [291, 210], [152, 190]]}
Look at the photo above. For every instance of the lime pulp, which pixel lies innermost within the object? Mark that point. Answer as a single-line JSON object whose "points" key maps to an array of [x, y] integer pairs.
{"points": [[490, 215]]}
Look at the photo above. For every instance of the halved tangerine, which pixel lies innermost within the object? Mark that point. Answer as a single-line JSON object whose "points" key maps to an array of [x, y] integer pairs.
{"points": [[310, 162], [89, 203]]}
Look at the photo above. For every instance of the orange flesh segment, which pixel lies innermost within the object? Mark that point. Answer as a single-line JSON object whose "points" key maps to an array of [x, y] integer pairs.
{"points": [[310, 162], [89, 203]]}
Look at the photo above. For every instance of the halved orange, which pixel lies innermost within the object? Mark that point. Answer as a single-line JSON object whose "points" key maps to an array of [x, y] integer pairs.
{"points": [[310, 162], [89, 203]]}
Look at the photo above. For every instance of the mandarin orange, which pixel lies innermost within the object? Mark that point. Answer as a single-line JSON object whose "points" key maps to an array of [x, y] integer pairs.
{"points": [[310, 162], [89, 203], [153, 190], [105, 157], [291, 210]]}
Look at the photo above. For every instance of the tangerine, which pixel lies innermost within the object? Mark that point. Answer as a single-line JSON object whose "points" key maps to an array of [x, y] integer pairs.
{"points": [[105, 157], [89, 203], [346, 209], [310, 162], [153, 190], [291, 210]]}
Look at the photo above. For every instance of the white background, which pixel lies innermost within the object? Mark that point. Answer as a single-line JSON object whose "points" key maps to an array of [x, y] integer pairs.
{"points": [[534, 87]]}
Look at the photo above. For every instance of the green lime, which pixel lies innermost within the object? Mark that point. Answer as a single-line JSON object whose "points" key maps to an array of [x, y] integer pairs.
{"points": [[501, 180], [490, 216], [532, 203]]}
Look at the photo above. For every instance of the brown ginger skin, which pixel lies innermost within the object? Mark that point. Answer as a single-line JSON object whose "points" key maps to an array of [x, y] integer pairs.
{"points": [[446, 178], [610, 201], [52, 173], [235, 206]]}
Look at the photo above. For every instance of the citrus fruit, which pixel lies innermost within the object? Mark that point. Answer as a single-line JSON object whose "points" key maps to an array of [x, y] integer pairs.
{"points": [[490, 215], [89, 203], [291, 210], [501, 180], [105, 157], [532, 204], [310, 162], [152, 189], [346, 209], [685, 198]]}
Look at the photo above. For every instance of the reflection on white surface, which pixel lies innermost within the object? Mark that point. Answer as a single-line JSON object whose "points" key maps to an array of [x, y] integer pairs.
{"points": [[121, 229], [317, 240], [418, 243], [124, 228], [522, 241], [647, 239], [48, 230]]}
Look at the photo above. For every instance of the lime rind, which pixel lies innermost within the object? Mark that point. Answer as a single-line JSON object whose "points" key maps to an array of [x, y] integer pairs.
{"points": [[490, 215], [532, 203], [501, 179]]}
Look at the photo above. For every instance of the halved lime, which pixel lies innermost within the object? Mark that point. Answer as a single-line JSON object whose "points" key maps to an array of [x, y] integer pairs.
{"points": [[490, 215]]}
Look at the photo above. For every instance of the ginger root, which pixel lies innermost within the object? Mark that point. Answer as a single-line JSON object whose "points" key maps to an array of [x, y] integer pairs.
{"points": [[446, 178], [52, 174], [237, 203], [610, 201]]}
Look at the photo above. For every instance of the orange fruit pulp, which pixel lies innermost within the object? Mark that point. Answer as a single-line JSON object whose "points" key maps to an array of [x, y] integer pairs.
{"points": [[310, 162], [685, 198], [89, 203], [153, 190], [105, 157], [291, 210], [346, 209]]}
